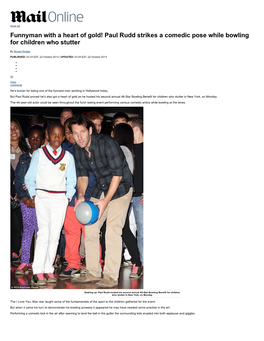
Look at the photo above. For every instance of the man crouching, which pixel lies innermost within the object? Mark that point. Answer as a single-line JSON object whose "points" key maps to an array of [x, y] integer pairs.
{"points": [[101, 155]]}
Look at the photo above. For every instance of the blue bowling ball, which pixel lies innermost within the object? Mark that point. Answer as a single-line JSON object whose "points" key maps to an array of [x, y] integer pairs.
{"points": [[87, 213]]}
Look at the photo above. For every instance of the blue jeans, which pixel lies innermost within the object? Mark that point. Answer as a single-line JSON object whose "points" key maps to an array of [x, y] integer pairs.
{"points": [[138, 213]]}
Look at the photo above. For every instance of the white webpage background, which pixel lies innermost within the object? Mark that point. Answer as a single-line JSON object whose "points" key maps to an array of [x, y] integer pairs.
{"points": [[203, 159]]}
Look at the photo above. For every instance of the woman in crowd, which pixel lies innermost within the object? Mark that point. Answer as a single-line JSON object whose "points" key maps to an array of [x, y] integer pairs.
{"points": [[18, 146], [123, 134]]}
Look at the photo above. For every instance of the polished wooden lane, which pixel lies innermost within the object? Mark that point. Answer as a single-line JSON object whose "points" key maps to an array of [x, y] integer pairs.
{"points": [[24, 281]]}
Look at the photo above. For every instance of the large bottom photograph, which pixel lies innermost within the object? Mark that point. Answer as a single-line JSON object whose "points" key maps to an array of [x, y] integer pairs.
{"points": [[77, 198]]}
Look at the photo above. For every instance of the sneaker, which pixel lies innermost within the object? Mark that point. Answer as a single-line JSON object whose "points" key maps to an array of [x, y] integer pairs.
{"points": [[127, 262], [38, 279], [68, 272], [50, 277], [22, 269], [14, 258], [137, 271], [78, 273], [57, 263]]}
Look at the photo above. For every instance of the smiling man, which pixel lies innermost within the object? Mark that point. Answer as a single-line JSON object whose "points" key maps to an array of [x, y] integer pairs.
{"points": [[101, 155]]}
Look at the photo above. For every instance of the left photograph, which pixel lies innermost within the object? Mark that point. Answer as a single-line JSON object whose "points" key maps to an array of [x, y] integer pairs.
{"points": [[76, 212]]}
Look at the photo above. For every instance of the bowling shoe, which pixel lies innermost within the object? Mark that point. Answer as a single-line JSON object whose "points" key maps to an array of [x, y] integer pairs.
{"points": [[86, 278], [107, 282], [68, 272], [137, 271], [22, 269], [80, 272], [50, 277], [38, 279]]}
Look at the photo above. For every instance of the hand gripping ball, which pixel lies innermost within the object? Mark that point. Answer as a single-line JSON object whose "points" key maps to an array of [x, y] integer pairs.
{"points": [[87, 213]]}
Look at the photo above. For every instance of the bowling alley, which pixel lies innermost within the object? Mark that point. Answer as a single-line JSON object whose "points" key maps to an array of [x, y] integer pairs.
{"points": [[77, 198]]}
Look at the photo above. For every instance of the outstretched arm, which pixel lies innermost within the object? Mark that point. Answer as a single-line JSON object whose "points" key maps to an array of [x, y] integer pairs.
{"points": [[82, 184]]}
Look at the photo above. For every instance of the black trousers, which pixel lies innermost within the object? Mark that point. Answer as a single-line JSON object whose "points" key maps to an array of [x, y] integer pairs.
{"points": [[16, 230], [131, 242]]}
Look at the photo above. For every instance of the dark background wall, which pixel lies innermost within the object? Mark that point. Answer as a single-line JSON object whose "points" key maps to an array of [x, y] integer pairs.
{"points": [[24, 114]]}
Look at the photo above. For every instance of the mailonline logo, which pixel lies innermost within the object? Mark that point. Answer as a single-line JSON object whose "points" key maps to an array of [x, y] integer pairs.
{"points": [[21, 16]]}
